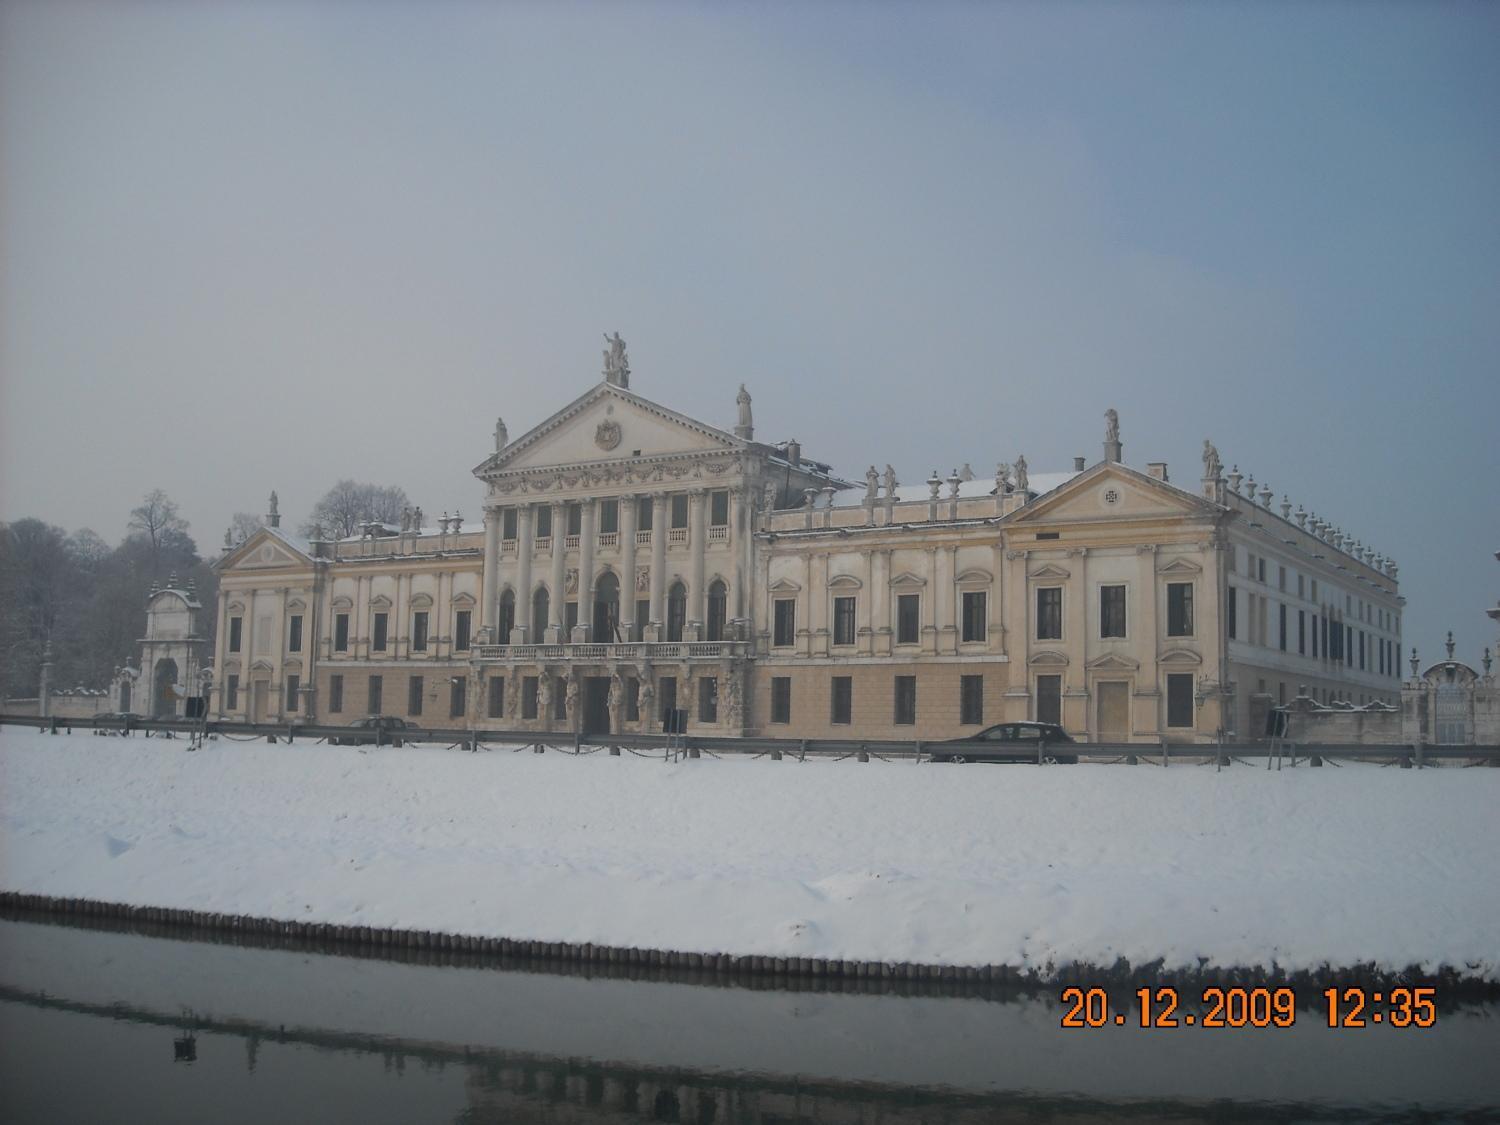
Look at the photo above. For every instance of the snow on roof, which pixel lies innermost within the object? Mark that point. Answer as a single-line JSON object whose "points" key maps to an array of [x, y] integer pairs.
{"points": [[978, 488], [296, 542]]}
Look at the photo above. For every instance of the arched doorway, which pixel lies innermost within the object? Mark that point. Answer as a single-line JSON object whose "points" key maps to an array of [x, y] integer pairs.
{"points": [[606, 610], [507, 617], [164, 694], [541, 604], [676, 611], [718, 609]]}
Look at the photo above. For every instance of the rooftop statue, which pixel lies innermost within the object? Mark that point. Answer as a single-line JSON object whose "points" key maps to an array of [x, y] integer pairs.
{"points": [[1111, 424], [616, 362], [1212, 466]]}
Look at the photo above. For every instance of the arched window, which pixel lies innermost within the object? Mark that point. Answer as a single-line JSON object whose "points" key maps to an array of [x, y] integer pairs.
{"points": [[540, 605], [718, 609], [676, 611], [507, 617], [606, 617]]}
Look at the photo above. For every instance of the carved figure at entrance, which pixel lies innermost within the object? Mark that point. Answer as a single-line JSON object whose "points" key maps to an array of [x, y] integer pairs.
{"points": [[872, 483], [513, 697], [643, 580], [544, 695], [732, 699], [646, 702], [1212, 466], [571, 698], [570, 580], [616, 697], [1021, 479]]}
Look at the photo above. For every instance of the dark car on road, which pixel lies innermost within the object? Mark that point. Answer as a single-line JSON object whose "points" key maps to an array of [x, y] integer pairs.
{"points": [[1006, 742], [364, 732]]}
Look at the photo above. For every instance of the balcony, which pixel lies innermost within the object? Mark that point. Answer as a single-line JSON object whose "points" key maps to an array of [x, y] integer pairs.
{"points": [[544, 543], [609, 539], [570, 543], [677, 536], [610, 653], [718, 533], [643, 538], [507, 546]]}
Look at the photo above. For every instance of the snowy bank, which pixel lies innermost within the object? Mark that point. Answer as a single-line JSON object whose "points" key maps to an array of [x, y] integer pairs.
{"points": [[973, 865]]}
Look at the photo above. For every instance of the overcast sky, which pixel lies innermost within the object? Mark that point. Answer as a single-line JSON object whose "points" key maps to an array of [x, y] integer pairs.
{"points": [[247, 246]]}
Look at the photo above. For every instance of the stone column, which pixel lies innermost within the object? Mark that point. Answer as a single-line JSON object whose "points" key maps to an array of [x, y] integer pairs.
{"points": [[627, 567], [697, 594], [555, 602], [489, 618], [737, 538], [586, 572], [657, 626], [522, 629]]}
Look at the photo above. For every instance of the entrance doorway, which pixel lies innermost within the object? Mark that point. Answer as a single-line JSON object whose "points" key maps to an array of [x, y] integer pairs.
{"points": [[1113, 712], [596, 705], [164, 695]]}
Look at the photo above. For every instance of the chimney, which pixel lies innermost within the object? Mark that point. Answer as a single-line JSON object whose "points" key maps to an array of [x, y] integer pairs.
{"points": [[1078, 464], [794, 453], [1156, 470]]}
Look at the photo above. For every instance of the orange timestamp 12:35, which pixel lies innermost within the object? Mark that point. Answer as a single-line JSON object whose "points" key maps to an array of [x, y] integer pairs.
{"points": [[1236, 1006]]}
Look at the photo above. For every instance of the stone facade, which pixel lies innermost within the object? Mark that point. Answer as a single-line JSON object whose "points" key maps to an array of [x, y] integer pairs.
{"points": [[631, 560]]}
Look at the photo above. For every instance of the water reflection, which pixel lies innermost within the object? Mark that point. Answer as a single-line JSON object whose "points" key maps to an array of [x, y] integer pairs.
{"points": [[308, 1036]]}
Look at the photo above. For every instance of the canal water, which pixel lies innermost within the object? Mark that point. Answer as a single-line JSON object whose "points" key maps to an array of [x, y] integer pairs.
{"points": [[100, 1025]]}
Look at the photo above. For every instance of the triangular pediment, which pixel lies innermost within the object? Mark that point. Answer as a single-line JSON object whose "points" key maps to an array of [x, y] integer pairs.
{"points": [[1051, 570], [266, 548], [1112, 662], [1183, 567], [907, 579], [784, 586], [608, 423], [1111, 491]]}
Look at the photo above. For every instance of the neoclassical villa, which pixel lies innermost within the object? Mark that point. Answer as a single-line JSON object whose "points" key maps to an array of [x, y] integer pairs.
{"points": [[635, 563]]}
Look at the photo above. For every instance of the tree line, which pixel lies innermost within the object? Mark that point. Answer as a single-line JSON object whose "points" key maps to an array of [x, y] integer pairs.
{"points": [[85, 601]]}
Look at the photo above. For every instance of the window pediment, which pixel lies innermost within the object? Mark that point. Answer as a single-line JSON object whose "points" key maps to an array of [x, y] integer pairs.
{"points": [[1181, 658], [1050, 570], [845, 582], [975, 577], [1049, 658], [785, 586], [463, 600], [1113, 662], [379, 601], [296, 604], [422, 601], [1184, 567], [343, 601], [236, 607], [908, 580]]}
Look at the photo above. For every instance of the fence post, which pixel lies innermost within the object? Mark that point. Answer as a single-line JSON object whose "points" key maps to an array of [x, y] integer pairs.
{"points": [[917, 758], [1418, 749], [1166, 754], [802, 751]]}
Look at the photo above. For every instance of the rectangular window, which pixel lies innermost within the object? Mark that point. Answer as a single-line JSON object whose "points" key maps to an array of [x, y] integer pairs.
{"points": [[574, 512], [461, 630], [236, 626], [841, 703], [335, 695], [1049, 613], [786, 623], [1260, 569], [570, 619], [632, 700], [232, 692], [843, 621], [906, 701], [544, 521], [908, 618], [375, 697], [971, 700], [1312, 589], [718, 507], [1049, 699], [341, 632], [1302, 585], [609, 516], [1281, 613], [380, 632], [414, 695], [419, 631], [1281, 578], [708, 699], [781, 699], [1361, 650], [1179, 701], [508, 523], [496, 708], [458, 697], [1111, 611], [1315, 634], [294, 633], [679, 509], [1301, 632], [293, 689], [529, 697], [1232, 604], [976, 616], [643, 510], [642, 615], [559, 702], [1180, 609]]}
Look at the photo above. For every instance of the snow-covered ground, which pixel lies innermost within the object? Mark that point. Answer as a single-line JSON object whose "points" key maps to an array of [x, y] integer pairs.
{"points": [[895, 862]]}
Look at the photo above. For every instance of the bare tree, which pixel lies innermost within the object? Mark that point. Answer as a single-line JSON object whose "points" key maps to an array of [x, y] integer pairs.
{"points": [[244, 525], [349, 503], [158, 522]]}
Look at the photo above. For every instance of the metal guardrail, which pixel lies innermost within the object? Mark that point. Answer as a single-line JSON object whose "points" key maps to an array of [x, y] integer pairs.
{"points": [[1273, 754]]}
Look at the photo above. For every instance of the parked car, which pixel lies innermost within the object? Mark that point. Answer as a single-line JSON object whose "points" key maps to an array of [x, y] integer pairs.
{"points": [[363, 732], [1006, 742]]}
